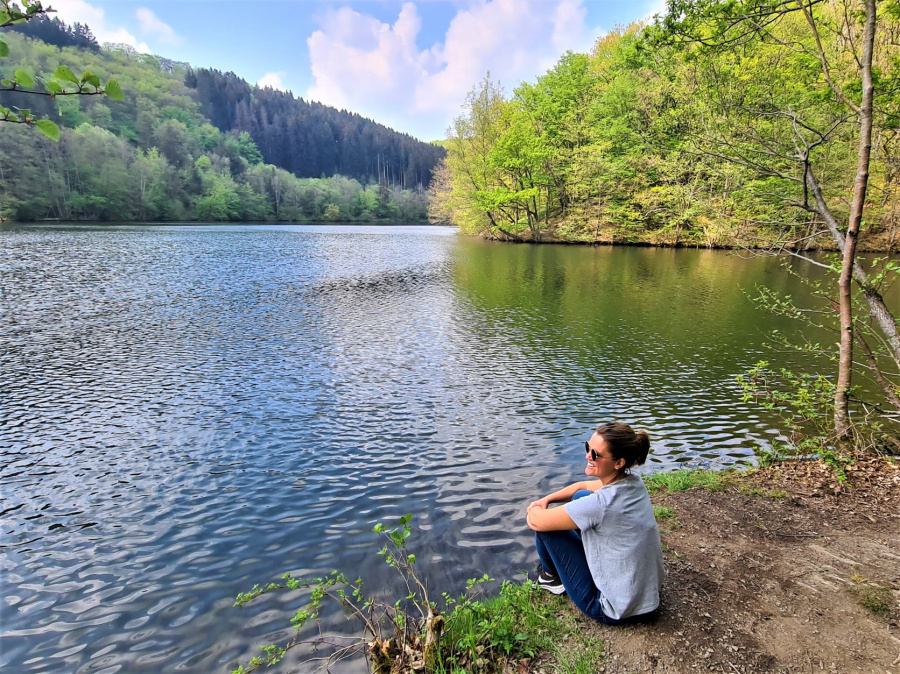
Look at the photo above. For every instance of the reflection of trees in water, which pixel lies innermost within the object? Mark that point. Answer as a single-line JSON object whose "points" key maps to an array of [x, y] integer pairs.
{"points": [[652, 336]]}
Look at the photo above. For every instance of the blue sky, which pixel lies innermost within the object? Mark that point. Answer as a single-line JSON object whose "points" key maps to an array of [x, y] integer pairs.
{"points": [[404, 64]]}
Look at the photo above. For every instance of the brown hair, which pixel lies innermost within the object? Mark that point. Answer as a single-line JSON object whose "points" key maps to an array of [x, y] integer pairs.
{"points": [[625, 443]]}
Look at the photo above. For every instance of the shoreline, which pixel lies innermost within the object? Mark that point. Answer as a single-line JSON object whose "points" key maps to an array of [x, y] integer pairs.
{"points": [[863, 246]]}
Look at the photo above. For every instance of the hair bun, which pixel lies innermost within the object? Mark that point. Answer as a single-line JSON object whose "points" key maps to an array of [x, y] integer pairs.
{"points": [[625, 443], [642, 440]]}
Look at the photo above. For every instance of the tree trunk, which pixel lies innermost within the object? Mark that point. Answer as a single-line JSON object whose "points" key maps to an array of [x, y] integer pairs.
{"points": [[845, 363], [434, 625], [877, 308]]}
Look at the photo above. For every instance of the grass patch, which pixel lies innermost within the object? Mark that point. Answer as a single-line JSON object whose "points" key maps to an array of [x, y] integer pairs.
{"points": [[581, 657], [663, 513], [684, 479], [875, 599], [521, 622]]}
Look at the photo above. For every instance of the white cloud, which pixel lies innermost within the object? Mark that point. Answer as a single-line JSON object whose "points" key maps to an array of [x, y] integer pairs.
{"points": [[72, 11], [151, 25], [272, 80], [376, 69]]}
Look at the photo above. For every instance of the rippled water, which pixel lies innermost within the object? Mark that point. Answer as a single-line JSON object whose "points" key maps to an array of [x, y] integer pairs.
{"points": [[186, 411]]}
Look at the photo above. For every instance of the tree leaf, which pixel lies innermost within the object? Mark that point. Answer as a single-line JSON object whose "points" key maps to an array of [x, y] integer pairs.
{"points": [[4, 49], [23, 79], [53, 87], [63, 73], [87, 77], [48, 128], [114, 91]]}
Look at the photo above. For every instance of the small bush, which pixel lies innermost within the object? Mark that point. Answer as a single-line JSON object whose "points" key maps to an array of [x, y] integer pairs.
{"points": [[875, 599]]}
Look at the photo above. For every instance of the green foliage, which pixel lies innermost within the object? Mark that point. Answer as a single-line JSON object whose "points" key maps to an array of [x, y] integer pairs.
{"points": [[661, 136], [805, 402], [48, 128], [332, 212], [243, 146], [769, 456], [471, 633], [390, 629], [114, 91], [63, 82], [875, 599], [802, 398], [483, 634], [96, 175]]}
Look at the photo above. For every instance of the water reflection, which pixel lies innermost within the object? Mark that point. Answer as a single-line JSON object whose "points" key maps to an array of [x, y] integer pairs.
{"points": [[190, 410], [652, 336]]}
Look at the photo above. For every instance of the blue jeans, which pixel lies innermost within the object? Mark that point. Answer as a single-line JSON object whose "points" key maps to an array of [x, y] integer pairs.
{"points": [[562, 554]]}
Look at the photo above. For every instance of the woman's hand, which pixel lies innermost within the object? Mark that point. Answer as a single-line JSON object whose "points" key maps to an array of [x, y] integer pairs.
{"points": [[542, 518], [540, 503]]}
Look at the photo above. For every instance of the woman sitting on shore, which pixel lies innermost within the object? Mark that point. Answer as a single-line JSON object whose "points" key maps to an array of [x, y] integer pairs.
{"points": [[612, 568]]}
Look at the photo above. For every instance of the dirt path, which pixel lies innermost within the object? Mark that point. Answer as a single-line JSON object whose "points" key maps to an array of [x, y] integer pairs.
{"points": [[771, 574]]}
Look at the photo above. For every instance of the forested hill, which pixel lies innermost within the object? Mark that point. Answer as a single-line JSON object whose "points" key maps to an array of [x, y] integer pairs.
{"points": [[157, 156], [310, 139], [53, 31]]}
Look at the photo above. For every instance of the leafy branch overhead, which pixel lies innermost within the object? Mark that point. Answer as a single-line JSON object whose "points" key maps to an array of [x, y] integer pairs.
{"points": [[64, 82]]}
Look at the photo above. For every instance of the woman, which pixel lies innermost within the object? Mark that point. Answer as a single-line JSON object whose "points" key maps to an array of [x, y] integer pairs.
{"points": [[613, 568]]}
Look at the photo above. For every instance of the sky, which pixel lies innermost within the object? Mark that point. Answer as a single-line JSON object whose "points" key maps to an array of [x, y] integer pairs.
{"points": [[407, 65]]}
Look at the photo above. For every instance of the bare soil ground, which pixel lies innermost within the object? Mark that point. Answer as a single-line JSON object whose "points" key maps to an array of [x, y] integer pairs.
{"points": [[772, 574]]}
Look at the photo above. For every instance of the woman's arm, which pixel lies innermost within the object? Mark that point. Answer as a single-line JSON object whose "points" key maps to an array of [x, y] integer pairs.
{"points": [[542, 518], [565, 494], [550, 519]]}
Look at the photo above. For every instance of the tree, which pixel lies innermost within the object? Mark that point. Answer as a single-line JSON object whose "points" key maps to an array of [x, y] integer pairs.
{"points": [[480, 192], [63, 83], [149, 171], [784, 133]]}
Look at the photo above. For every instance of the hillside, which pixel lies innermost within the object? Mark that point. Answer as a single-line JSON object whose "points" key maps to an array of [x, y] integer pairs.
{"points": [[194, 144], [310, 139]]}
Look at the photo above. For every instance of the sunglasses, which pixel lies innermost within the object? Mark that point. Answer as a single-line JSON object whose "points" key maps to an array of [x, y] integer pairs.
{"points": [[593, 452]]}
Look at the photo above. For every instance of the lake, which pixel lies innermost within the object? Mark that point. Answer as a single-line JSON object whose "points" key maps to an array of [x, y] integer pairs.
{"points": [[188, 410]]}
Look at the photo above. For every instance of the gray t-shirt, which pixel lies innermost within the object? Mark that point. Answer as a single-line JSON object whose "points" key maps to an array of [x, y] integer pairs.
{"points": [[621, 542]]}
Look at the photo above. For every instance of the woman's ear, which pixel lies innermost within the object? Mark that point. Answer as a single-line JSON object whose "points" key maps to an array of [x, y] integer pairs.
{"points": [[620, 464]]}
